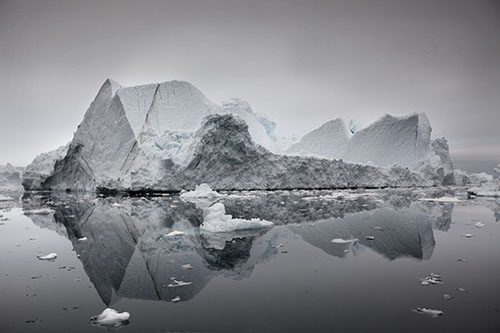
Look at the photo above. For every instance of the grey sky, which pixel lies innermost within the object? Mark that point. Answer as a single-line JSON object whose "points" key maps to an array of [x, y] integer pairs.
{"points": [[300, 62]]}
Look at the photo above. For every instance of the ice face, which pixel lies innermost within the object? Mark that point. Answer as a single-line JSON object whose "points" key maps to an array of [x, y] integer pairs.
{"points": [[391, 140], [329, 140]]}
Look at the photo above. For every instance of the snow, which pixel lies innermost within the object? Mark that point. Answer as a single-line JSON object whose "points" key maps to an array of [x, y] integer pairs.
{"points": [[329, 140], [50, 256], [82, 239], [110, 318], [216, 220]]}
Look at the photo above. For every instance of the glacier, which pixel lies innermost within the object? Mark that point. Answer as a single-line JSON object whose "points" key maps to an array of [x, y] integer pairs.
{"points": [[170, 137]]}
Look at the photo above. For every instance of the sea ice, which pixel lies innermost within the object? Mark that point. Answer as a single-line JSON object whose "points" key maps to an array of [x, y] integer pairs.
{"points": [[216, 220], [429, 312], [50, 256], [111, 318], [174, 233]]}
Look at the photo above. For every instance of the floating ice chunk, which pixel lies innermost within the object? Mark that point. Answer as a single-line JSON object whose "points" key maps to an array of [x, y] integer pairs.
{"points": [[43, 211], [462, 290], [111, 318], [343, 241], [467, 235], [216, 220], [432, 278], [370, 237], [201, 191], [50, 256], [462, 260], [441, 199], [176, 299], [178, 283], [116, 204], [448, 297], [174, 233], [479, 224], [82, 239], [429, 312], [187, 267]]}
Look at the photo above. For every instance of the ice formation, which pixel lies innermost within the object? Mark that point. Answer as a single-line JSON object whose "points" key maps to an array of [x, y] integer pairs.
{"points": [[111, 318], [484, 185], [50, 256], [42, 167], [10, 178], [170, 137], [216, 220], [201, 191], [404, 141], [329, 140]]}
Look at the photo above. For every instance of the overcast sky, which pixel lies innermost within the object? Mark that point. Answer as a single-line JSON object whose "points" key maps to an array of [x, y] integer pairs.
{"points": [[300, 62]]}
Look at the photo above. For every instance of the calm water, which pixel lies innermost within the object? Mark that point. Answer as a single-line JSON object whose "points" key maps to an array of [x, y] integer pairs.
{"points": [[290, 278]]}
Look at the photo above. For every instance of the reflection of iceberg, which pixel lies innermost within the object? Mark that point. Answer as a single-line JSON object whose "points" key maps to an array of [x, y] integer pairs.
{"points": [[127, 253], [397, 233]]}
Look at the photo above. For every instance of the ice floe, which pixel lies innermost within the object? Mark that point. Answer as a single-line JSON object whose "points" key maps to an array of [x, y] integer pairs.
{"points": [[111, 318]]}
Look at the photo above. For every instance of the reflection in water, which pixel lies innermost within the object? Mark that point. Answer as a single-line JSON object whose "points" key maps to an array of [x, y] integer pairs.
{"points": [[128, 253]]}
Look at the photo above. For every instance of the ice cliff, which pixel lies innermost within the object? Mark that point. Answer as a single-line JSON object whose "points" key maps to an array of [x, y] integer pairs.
{"points": [[404, 141], [170, 137]]}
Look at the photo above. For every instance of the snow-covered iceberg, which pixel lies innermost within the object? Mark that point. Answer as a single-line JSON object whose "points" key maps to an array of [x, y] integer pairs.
{"points": [[171, 137], [404, 141], [42, 168]]}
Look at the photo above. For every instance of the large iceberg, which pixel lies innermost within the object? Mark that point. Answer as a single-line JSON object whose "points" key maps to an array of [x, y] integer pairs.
{"points": [[170, 137], [404, 141]]}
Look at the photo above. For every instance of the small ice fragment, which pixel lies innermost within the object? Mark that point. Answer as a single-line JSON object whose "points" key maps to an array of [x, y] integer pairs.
{"points": [[432, 278], [463, 260], [177, 299], [370, 237], [343, 241], [111, 318], [178, 283], [82, 239], [187, 267], [468, 235], [448, 297], [378, 228], [429, 312], [462, 290], [50, 256], [116, 204], [174, 233], [479, 224], [44, 211]]}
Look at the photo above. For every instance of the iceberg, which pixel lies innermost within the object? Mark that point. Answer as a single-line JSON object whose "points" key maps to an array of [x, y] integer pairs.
{"points": [[403, 141], [170, 137], [42, 168], [10, 178], [216, 220], [111, 318]]}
